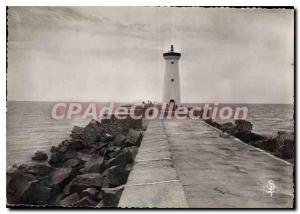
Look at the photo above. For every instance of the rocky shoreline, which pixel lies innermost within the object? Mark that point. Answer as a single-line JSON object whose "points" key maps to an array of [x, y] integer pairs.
{"points": [[281, 146], [87, 170], [90, 168]]}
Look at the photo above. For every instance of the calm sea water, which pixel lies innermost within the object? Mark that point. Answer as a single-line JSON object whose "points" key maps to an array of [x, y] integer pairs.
{"points": [[30, 127]]}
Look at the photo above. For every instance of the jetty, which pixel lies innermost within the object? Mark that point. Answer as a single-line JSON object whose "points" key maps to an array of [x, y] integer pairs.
{"points": [[189, 164]]}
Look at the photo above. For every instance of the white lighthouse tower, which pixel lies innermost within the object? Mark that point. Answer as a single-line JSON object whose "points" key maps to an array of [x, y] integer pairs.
{"points": [[171, 80]]}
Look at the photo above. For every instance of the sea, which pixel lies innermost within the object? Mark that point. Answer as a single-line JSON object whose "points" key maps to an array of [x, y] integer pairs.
{"points": [[30, 126]]}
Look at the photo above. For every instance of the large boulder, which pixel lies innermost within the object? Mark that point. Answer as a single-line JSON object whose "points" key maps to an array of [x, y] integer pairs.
{"points": [[37, 193], [36, 169], [72, 144], [228, 127], [16, 177], [257, 137], [82, 182], [133, 151], [76, 144], [70, 200], [10, 173], [134, 137], [244, 136], [84, 156], [61, 176], [40, 156], [112, 151], [54, 149], [91, 193], [63, 146], [63, 154], [121, 159], [119, 140], [89, 134], [56, 158], [93, 132], [73, 163], [111, 196], [25, 189], [243, 130], [282, 145], [85, 202], [285, 145], [243, 126], [77, 133], [114, 126], [116, 175], [268, 144], [95, 164]]}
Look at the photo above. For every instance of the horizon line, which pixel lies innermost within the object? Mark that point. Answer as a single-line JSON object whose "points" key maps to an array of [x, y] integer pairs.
{"points": [[51, 101]]}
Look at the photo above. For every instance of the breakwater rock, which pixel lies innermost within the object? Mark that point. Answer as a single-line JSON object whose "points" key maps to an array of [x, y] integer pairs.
{"points": [[281, 145], [87, 170]]}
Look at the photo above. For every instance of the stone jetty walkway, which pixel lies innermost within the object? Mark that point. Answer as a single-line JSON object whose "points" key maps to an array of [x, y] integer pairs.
{"points": [[188, 163]]}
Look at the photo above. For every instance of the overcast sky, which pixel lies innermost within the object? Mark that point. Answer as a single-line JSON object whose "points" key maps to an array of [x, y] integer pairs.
{"points": [[115, 53]]}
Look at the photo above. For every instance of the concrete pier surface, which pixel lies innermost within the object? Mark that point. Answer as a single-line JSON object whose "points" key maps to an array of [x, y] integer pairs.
{"points": [[186, 163]]}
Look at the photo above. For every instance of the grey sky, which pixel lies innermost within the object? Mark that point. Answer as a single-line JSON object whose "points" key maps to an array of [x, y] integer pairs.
{"points": [[115, 53]]}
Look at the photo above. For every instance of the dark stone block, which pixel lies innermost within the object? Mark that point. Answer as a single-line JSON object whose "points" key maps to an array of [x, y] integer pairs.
{"points": [[40, 156]]}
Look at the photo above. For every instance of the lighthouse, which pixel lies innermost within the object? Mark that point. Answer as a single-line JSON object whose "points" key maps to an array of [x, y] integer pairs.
{"points": [[171, 87]]}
